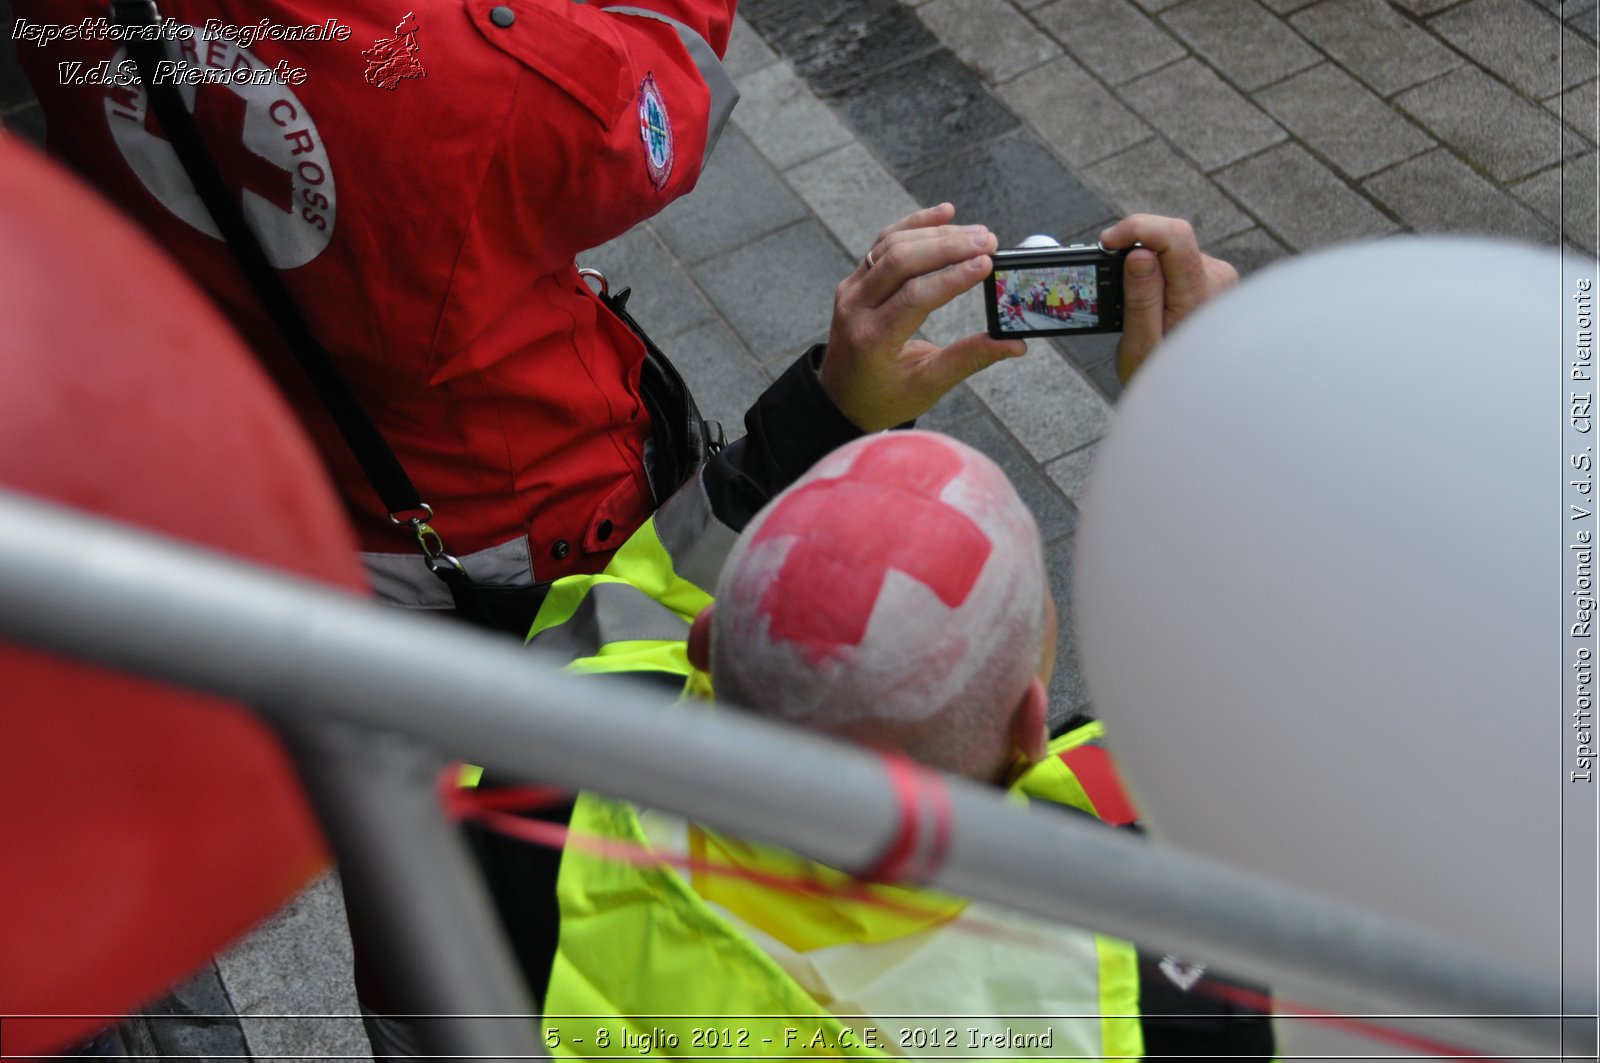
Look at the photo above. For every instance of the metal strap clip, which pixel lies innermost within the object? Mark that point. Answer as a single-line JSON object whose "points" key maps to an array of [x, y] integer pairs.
{"points": [[440, 562]]}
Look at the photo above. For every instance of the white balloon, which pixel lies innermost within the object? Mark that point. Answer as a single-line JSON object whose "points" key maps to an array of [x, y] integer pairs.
{"points": [[1320, 586]]}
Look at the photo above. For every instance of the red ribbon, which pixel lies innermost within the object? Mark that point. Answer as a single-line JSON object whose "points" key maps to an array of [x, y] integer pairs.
{"points": [[922, 838], [924, 828]]}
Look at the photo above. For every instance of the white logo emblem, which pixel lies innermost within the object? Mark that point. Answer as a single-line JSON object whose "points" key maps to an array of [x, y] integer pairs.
{"points": [[260, 136], [655, 129], [1183, 975]]}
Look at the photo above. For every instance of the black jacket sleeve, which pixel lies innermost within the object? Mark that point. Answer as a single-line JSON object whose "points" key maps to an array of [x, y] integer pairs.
{"points": [[791, 426]]}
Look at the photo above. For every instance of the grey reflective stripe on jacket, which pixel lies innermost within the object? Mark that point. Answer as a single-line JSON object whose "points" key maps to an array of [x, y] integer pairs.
{"points": [[404, 579], [723, 92], [611, 612], [696, 541], [677, 555]]}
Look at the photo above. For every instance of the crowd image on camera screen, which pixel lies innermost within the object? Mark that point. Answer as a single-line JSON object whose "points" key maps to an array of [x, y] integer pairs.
{"points": [[1049, 297]]}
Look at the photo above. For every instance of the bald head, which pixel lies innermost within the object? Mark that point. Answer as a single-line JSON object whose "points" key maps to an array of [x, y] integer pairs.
{"points": [[895, 596]]}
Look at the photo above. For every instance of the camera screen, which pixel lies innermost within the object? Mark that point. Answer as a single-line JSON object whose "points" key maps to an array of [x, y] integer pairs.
{"points": [[1039, 298]]}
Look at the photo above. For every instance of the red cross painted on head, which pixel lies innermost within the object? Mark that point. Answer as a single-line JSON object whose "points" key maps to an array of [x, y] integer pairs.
{"points": [[883, 513], [219, 116]]}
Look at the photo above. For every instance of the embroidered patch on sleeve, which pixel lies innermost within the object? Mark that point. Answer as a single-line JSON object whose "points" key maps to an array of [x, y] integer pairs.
{"points": [[655, 129]]}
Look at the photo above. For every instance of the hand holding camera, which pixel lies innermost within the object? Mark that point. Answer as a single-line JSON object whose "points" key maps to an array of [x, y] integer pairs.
{"points": [[875, 371], [1145, 275], [880, 375], [1164, 281]]}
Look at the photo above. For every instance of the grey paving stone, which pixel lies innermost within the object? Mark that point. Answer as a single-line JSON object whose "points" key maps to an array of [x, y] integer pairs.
{"points": [[777, 292], [300, 958], [1071, 472], [740, 197], [1522, 44], [1075, 117], [1154, 179], [1110, 37], [957, 406], [853, 195], [1300, 200], [1286, 7], [988, 35], [1246, 43], [1567, 10], [1014, 186], [1067, 694], [195, 1019], [1375, 43], [1488, 123], [1341, 119], [1423, 8], [1046, 403], [1103, 376], [1155, 7], [1249, 251], [1050, 510], [1565, 194], [763, 9], [922, 111], [723, 377], [1208, 120], [961, 317], [1091, 234], [1437, 192], [747, 52], [784, 121], [833, 43], [1585, 22], [1577, 107], [1086, 351], [664, 299]]}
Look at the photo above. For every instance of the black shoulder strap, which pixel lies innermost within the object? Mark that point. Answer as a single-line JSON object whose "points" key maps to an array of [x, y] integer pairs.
{"points": [[371, 450]]}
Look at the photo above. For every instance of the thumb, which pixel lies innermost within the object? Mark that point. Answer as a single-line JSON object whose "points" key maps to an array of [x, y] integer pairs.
{"points": [[1143, 309]]}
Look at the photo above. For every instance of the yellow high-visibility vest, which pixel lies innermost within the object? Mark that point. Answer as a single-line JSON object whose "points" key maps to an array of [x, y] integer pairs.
{"points": [[705, 966], [657, 962]]}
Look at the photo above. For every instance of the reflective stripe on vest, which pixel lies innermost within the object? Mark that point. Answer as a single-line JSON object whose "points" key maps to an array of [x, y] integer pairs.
{"points": [[696, 541], [610, 612], [1080, 772], [1095, 771], [642, 942], [635, 615]]}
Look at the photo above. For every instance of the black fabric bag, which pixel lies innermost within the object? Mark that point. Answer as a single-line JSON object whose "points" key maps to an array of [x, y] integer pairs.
{"points": [[683, 439]]}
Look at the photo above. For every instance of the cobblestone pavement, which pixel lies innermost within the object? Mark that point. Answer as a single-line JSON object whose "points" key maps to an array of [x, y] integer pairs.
{"points": [[1276, 126]]}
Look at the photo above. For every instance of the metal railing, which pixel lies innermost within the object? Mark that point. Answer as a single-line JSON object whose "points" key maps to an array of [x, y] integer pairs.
{"points": [[370, 720]]}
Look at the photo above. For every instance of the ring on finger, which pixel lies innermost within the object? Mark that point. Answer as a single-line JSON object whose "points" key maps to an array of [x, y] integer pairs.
{"points": [[870, 262]]}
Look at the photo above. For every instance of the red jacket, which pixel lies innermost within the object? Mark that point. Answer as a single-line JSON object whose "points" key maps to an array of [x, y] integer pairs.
{"points": [[423, 182]]}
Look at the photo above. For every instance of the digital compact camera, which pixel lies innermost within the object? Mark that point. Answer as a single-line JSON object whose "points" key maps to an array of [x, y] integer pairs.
{"points": [[1054, 291]]}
